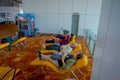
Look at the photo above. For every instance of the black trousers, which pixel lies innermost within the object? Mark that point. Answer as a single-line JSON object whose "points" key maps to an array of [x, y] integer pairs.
{"points": [[50, 41], [67, 57], [53, 47]]}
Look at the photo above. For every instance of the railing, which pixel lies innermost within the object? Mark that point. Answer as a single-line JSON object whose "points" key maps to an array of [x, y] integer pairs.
{"points": [[90, 38]]}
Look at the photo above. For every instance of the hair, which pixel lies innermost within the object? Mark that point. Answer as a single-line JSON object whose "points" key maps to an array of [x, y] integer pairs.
{"points": [[72, 34], [79, 56]]}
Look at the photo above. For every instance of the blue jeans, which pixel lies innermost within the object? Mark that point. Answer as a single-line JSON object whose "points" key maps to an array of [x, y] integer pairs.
{"points": [[56, 56]]}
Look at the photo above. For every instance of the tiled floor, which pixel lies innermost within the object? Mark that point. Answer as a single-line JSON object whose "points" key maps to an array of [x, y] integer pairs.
{"points": [[21, 59]]}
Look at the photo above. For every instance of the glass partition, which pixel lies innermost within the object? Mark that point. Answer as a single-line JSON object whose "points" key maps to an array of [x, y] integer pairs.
{"points": [[90, 38]]}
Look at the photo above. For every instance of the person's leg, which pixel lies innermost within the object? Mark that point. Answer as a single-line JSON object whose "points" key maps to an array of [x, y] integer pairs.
{"points": [[69, 56], [53, 47], [57, 56], [48, 57], [50, 41], [60, 63], [57, 47]]}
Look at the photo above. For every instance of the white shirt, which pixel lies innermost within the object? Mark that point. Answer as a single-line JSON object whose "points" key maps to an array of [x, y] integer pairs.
{"points": [[67, 49]]}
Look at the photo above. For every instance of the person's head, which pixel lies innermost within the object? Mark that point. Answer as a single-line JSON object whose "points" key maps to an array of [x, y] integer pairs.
{"points": [[72, 34], [77, 55], [73, 45]]}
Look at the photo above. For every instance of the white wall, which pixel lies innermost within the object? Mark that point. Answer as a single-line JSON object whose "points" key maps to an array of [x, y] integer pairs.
{"points": [[107, 52], [58, 14], [89, 11], [28, 6]]}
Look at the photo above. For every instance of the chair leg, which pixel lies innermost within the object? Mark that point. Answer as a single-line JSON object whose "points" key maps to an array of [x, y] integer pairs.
{"points": [[5, 52], [23, 44], [80, 71], [17, 47], [72, 71]]}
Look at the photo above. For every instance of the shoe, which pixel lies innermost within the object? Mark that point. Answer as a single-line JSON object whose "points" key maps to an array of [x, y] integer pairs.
{"points": [[39, 54], [43, 46]]}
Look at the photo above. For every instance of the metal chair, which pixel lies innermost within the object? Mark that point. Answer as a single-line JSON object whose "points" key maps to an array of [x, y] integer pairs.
{"points": [[7, 73], [2, 46]]}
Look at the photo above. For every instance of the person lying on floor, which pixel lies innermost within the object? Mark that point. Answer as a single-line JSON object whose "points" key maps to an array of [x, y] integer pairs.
{"points": [[68, 62], [10, 39], [68, 38], [65, 48], [62, 39], [62, 55], [57, 38], [65, 53]]}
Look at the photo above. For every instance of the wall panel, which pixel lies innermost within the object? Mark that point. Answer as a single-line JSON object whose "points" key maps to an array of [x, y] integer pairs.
{"points": [[65, 6], [40, 6], [28, 6], [65, 22], [94, 6]]}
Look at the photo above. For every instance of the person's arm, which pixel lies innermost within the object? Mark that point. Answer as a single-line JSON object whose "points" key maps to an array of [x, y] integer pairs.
{"points": [[63, 58]]}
